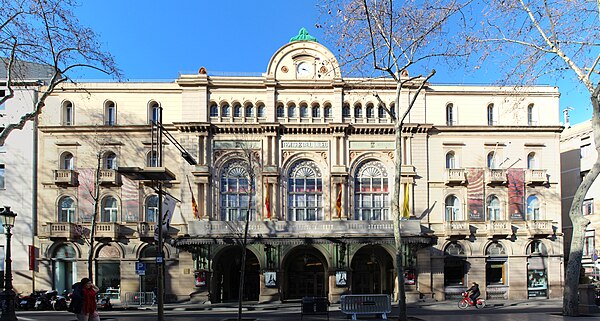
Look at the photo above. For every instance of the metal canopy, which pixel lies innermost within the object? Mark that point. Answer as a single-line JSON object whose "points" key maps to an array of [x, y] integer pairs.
{"points": [[147, 173]]}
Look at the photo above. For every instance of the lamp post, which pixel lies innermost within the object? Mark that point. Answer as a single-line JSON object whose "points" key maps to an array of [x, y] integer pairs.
{"points": [[8, 300], [158, 174]]}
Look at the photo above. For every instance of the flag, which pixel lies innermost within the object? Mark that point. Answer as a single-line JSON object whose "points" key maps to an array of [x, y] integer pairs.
{"points": [[268, 201], [194, 204], [338, 201], [405, 206]]}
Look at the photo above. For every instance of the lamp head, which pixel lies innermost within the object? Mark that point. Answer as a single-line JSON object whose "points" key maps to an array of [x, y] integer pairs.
{"points": [[7, 217], [188, 158]]}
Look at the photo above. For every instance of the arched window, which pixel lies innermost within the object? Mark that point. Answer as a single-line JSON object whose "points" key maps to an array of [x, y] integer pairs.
{"points": [[454, 249], [371, 198], [110, 160], [495, 249], [490, 115], [450, 160], [151, 208], [237, 110], [450, 117], [280, 111], [261, 111], [370, 111], [153, 112], [67, 114], [346, 110], [381, 112], [493, 208], [249, 110], [357, 110], [237, 193], [327, 111], [536, 247], [491, 160], [533, 208], [531, 116], [66, 210], [393, 108], [67, 161], [305, 192], [453, 211], [316, 110], [225, 110], [214, 110], [110, 113], [109, 209], [291, 110], [532, 162], [303, 110], [152, 159]]}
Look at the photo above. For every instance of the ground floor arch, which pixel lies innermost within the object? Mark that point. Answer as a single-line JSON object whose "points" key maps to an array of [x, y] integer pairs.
{"points": [[305, 270], [227, 267], [372, 271]]}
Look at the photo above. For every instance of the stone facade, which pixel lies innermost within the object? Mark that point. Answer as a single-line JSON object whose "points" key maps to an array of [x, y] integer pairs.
{"points": [[321, 142]]}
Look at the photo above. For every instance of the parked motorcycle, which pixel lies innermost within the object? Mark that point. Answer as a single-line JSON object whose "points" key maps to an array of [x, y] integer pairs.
{"points": [[27, 302], [105, 303], [59, 302], [44, 301]]}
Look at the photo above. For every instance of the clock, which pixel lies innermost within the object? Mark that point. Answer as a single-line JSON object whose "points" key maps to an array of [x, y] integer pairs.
{"points": [[303, 69]]}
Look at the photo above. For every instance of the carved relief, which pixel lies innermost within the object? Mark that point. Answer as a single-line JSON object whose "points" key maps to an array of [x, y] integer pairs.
{"points": [[391, 155], [284, 69]]}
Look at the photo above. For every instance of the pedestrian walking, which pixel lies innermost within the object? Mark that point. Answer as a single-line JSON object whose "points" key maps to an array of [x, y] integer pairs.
{"points": [[88, 293]]}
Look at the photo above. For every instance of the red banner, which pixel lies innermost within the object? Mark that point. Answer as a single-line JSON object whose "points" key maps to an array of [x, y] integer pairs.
{"points": [[516, 193]]}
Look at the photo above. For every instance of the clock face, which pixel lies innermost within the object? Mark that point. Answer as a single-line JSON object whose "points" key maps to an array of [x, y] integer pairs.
{"points": [[303, 69]]}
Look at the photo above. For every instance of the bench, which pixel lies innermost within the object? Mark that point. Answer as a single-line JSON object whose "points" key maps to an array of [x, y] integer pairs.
{"points": [[314, 306], [354, 304]]}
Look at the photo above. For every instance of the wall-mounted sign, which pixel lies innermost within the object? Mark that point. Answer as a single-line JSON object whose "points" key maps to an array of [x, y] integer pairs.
{"points": [[305, 145], [341, 278], [270, 279]]}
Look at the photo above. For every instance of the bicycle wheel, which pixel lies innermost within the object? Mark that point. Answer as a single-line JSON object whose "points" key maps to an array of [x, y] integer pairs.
{"points": [[480, 304], [463, 304]]}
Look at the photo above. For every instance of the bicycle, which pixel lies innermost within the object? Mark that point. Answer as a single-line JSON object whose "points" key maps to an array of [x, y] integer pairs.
{"points": [[466, 301]]}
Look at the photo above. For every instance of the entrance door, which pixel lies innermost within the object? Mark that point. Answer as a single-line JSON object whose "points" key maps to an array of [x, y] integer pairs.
{"points": [[305, 274], [227, 273], [63, 275], [369, 267]]}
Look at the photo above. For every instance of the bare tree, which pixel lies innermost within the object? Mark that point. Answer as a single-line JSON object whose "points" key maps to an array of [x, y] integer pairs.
{"points": [[48, 34], [547, 40], [388, 38]]}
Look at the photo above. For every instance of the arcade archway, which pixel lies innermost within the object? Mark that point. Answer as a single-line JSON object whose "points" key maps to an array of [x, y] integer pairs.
{"points": [[372, 271], [227, 272], [305, 270]]}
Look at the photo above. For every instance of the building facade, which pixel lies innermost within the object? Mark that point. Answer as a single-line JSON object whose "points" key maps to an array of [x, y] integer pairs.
{"points": [[480, 184], [578, 155]]}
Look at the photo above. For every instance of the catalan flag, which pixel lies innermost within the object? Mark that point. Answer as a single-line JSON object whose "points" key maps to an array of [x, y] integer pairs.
{"points": [[405, 204], [338, 201], [268, 201], [194, 204]]}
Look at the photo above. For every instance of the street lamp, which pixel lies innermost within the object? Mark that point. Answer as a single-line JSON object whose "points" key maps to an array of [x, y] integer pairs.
{"points": [[8, 301]]}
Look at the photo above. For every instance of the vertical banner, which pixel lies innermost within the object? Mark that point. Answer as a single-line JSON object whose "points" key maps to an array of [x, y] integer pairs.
{"points": [[168, 207], [194, 204], [131, 202], [267, 200], [516, 193], [338, 201], [85, 190], [475, 194], [406, 202]]}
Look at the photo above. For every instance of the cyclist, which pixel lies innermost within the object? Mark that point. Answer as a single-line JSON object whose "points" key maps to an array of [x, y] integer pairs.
{"points": [[474, 292]]}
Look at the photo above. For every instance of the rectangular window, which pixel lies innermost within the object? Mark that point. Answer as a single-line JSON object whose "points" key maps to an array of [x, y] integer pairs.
{"points": [[110, 116], [454, 272], [589, 243], [588, 207], [495, 273], [2, 173], [2, 94], [586, 150]]}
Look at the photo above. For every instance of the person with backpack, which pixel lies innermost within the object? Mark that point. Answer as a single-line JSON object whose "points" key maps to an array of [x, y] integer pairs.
{"points": [[83, 301]]}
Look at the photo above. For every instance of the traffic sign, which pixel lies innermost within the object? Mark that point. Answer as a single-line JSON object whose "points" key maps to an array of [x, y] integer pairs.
{"points": [[140, 268]]}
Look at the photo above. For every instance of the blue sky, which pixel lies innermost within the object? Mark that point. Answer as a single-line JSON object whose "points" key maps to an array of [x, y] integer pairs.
{"points": [[157, 40]]}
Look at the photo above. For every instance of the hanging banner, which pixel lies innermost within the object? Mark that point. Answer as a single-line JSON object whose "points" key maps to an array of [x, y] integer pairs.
{"points": [[516, 193], [168, 206], [475, 194]]}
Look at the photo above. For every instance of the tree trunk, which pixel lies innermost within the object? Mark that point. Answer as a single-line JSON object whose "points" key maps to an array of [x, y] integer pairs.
{"points": [[579, 222], [94, 217]]}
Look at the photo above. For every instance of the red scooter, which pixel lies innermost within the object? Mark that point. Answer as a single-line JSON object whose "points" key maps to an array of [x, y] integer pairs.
{"points": [[466, 301]]}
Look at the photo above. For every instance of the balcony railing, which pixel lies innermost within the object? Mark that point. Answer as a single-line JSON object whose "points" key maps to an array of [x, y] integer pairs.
{"points": [[455, 175], [495, 176], [65, 177], [499, 228], [110, 177], [63, 230], [457, 228], [536, 176], [539, 228], [304, 228], [145, 229]]}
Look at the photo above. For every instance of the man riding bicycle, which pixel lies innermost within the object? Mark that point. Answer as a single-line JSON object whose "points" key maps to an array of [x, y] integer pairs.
{"points": [[474, 292]]}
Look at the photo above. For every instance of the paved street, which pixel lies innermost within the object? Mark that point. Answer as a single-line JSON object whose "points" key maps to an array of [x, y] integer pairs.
{"points": [[507, 311]]}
